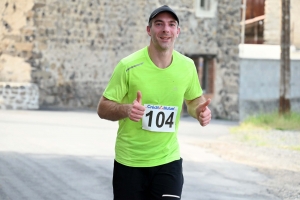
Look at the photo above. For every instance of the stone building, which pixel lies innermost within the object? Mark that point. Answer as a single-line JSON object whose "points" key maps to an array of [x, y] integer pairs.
{"points": [[64, 51]]}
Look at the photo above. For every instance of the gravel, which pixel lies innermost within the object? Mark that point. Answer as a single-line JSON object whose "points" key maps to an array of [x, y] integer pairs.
{"points": [[274, 153]]}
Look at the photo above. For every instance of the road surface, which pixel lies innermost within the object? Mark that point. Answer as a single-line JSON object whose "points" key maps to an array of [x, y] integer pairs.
{"points": [[68, 155]]}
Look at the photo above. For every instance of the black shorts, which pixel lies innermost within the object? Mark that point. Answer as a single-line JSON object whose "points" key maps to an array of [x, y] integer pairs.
{"points": [[148, 183]]}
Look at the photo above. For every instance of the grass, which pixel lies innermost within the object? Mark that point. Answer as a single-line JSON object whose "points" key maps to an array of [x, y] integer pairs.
{"points": [[256, 130], [295, 148], [275, 121]]}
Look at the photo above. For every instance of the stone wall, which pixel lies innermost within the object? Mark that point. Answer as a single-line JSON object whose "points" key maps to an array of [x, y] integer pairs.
{"points": [[80, 42], [226, 95], [272, 26], [18, 96], [16, 49], [17, 34], [75, 45]]}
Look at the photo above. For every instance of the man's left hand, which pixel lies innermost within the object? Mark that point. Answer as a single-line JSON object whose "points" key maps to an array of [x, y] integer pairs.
{"points": [[203, 113]]}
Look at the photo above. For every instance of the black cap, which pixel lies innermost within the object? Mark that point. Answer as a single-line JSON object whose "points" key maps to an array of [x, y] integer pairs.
{"points": [[164, 8]]}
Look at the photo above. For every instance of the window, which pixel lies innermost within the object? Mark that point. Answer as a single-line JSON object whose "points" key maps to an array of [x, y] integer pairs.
{"points": [[204, 4], [205, 69], [206, 8]]}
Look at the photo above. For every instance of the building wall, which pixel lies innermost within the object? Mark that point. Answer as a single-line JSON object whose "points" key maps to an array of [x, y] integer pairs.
{"points": [[227, 62], [16, 49], [77, 43], [16, 41], [295, 23], [17, 96], [80, 43], [260, 86], [273, 22]]}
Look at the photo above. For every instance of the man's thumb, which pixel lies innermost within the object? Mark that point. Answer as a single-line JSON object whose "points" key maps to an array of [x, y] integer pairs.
{"points": [[139, 97], [203, 105]]}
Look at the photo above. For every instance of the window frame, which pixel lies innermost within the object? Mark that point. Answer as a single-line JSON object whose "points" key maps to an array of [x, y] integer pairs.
{"points": [[206, 12], [205, 65]]}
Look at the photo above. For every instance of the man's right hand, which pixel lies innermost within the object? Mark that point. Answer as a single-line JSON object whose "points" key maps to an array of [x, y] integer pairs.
{"points": [[137, 110]]}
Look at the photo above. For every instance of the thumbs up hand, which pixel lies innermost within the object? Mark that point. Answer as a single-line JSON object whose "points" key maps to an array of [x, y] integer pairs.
{"points": [[203, 113], [137, 110]]}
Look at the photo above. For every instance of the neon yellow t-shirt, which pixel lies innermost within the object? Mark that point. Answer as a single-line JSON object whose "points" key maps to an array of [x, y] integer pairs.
{"points": [[163, 89]]}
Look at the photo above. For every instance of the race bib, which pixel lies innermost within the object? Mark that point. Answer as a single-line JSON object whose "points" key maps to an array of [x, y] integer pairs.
{"points": [[159, 118]]}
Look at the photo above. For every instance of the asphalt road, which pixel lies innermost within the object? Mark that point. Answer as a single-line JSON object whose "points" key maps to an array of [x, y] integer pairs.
{"points": [[63, 155]]}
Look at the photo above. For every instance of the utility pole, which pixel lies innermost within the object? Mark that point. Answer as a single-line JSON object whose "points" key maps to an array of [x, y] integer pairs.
{"points": [[243, 6], [284, 99]]}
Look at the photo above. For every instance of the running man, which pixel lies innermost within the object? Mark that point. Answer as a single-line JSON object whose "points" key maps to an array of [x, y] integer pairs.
{"points": [[145, 94]]}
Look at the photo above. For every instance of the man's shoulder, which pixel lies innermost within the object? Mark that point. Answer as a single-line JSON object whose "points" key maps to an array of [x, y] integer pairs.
{"points": [[182, 57], [134, 57]]}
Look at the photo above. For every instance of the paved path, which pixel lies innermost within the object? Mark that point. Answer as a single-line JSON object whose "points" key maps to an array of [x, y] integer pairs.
{"points": [[61, 155]]}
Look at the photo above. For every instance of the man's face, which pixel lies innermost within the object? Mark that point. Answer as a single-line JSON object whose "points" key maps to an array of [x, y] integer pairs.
{"points": [[163, 31]]}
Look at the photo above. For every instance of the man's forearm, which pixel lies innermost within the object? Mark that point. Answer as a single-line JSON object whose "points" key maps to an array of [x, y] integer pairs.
{"points": [[111, 110], [191, 108], [193, 104]]}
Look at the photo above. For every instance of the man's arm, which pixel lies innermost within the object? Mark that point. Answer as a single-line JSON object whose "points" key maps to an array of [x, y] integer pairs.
{"points": [[114, 111], [198, 109]]}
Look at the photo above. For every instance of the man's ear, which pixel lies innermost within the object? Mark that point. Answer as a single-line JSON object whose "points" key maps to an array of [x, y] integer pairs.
{"points": [[148, 30], [178, 31]]}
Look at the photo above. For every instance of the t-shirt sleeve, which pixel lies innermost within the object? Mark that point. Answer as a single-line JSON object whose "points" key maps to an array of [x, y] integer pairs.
{"points": [[117, 86], [194, 89]]}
